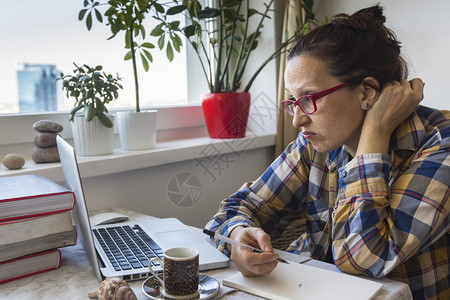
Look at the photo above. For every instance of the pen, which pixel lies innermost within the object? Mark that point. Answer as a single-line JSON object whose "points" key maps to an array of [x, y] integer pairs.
{"points": [[236, 243]]}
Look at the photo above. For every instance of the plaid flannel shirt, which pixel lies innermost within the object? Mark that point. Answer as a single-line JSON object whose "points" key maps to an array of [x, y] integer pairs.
{"points": [[388, 215]]}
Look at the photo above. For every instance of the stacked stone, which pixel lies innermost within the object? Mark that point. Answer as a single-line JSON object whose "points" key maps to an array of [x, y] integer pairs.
{"points": [[45, 149]]}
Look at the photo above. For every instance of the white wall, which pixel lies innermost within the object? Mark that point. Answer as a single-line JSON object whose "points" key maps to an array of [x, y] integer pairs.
{"points": [[148, 190], [423, 27]]}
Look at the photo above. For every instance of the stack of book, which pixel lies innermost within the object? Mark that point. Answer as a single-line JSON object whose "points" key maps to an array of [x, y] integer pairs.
{"points": [[35, 221]]}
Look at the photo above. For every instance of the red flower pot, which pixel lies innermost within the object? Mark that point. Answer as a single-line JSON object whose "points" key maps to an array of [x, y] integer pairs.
{"points": [[226, 114]]}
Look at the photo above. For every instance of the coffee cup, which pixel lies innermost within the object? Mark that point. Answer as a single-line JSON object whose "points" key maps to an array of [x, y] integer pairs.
{"points": [[180, 271]]}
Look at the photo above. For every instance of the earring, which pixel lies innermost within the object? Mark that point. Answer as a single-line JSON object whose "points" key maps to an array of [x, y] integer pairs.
{"points": [[366, 106]]}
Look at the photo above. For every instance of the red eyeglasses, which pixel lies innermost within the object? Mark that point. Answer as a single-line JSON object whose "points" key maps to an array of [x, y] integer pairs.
{"points": [[307, 103]]}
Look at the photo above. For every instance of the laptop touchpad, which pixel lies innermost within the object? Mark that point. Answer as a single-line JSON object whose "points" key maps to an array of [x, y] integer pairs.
{"points": [[178, 238]]}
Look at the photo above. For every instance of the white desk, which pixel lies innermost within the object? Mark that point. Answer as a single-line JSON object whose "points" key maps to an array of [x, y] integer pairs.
{"points": [[75, 279]]}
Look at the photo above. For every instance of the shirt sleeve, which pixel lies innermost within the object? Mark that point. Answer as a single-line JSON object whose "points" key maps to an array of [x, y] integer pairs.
{"points": [[380, 221], [270, 202]]}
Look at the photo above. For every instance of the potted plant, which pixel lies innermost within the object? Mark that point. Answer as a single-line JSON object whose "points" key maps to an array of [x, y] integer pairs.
{"points": [[91, 124], [232, 41], [137, 129]]}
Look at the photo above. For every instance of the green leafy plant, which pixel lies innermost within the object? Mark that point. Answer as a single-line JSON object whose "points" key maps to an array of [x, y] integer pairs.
{"points": [[128, 16], [226, 29], [92, 90], [222, 35]]}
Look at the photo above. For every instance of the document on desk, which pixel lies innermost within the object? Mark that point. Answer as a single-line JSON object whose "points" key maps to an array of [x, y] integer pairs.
{"points": [[298, 281]]}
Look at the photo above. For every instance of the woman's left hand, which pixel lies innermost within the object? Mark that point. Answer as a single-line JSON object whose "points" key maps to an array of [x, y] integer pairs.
{"points": [[395, 104]]}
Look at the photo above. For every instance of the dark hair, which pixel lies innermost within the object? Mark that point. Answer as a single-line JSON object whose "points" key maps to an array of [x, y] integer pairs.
{"points": [[354, 47]]}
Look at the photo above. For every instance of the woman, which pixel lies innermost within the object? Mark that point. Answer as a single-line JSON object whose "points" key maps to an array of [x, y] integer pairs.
{"points": [[371, 168]]}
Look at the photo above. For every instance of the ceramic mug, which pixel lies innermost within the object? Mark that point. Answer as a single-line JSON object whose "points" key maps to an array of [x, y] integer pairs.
{"points": [[180, 271]]}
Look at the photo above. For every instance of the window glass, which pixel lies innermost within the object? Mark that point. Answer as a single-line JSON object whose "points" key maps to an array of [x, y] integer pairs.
{"points": [[41, 38]]}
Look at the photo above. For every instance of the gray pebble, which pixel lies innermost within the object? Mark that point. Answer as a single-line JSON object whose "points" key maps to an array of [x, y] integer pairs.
{"points": [[43, 155], [13, 161], [47, 126], [45, 139]]}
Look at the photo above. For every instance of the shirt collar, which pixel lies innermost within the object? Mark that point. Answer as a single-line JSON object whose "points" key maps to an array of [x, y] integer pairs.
{"points": [[337, 158]]}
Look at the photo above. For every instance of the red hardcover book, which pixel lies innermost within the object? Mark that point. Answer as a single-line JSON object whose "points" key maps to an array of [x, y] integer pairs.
{"points": [[29, 265], [25, 196]]}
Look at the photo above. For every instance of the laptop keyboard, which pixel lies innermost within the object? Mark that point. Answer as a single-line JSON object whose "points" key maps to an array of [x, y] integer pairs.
{"points": [[128, 247]]}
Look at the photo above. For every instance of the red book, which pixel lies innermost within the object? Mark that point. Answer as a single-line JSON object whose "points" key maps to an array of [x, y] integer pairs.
{"points": [[29, 265], [25, 196]]}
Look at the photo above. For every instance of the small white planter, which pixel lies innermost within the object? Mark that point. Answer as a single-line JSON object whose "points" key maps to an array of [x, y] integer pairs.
{"points": [[137, 130], [92, 138]]}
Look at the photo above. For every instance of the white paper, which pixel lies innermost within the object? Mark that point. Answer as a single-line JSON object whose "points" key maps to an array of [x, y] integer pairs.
{"points": [[297, 281]]}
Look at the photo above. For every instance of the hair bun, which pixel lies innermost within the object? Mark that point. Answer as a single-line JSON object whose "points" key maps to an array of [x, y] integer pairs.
{"points": [[370, 18]]}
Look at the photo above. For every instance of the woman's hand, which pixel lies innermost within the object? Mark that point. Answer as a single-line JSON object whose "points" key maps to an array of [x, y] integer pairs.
{"points": [[395, 104], [251, 263]]}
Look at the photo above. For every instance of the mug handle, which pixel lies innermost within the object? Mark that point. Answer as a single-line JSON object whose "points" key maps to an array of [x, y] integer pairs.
{"points": [[153, 272]]}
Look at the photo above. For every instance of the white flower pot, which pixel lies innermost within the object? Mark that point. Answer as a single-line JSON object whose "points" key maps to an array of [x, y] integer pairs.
{"points": [[137, 130], [92, 138]]}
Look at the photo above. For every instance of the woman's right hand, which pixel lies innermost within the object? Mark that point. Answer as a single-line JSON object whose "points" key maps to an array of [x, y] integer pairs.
{"points": [[251, 263]]}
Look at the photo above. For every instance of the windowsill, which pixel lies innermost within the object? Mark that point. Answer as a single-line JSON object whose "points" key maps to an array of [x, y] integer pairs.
{"points": [[165, 152]]}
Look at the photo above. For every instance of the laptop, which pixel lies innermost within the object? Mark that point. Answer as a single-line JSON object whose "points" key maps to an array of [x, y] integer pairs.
{"points": [[137, 242]]}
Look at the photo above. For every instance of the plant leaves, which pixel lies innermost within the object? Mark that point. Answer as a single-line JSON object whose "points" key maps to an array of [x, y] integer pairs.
{"points": [[148, 45], [104, 119], [161, 42], [175, 10], [127, 56], [176, 41], [75, 109], [231, 3], [144, 62], [98, 15], [127, 39], [100, 106], [89, 111], [148, 55], [157, 31], [189, 31], [89, 21], [208, 13], [142, 29], [159, 8], [81, 14], [169, 52], [174, 25]]}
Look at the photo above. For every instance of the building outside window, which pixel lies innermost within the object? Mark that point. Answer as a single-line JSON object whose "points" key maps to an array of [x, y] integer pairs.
{"points": [[37, 88]]}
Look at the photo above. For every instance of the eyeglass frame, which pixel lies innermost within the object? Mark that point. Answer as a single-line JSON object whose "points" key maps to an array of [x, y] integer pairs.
{"points": [[313, 97]]}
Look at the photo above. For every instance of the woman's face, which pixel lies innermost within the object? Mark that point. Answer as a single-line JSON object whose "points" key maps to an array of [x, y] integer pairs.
{"points": [[339, 117]]}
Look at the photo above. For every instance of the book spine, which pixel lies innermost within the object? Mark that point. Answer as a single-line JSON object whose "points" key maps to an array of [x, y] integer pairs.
{"points": [[38, 214], [31, 273], [57, 240], [19, 231], [35, 196]]}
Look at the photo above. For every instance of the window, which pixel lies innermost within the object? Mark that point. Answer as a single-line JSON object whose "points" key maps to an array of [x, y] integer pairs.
{"points": [[45, 35], [42, 38]]}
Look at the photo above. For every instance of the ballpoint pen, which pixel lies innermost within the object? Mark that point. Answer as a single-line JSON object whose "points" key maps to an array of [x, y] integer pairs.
{"points": [[236, 243]]}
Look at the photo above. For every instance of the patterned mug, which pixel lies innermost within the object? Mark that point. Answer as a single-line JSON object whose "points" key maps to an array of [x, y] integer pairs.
{"points": [[180, 271]]}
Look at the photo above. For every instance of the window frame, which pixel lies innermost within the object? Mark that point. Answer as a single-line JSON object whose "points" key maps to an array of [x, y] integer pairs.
{"points": [[173, 122]]}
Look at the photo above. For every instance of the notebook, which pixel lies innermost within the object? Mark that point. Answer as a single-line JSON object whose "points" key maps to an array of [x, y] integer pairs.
{"points": [[158, 234], [299, 281]]}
